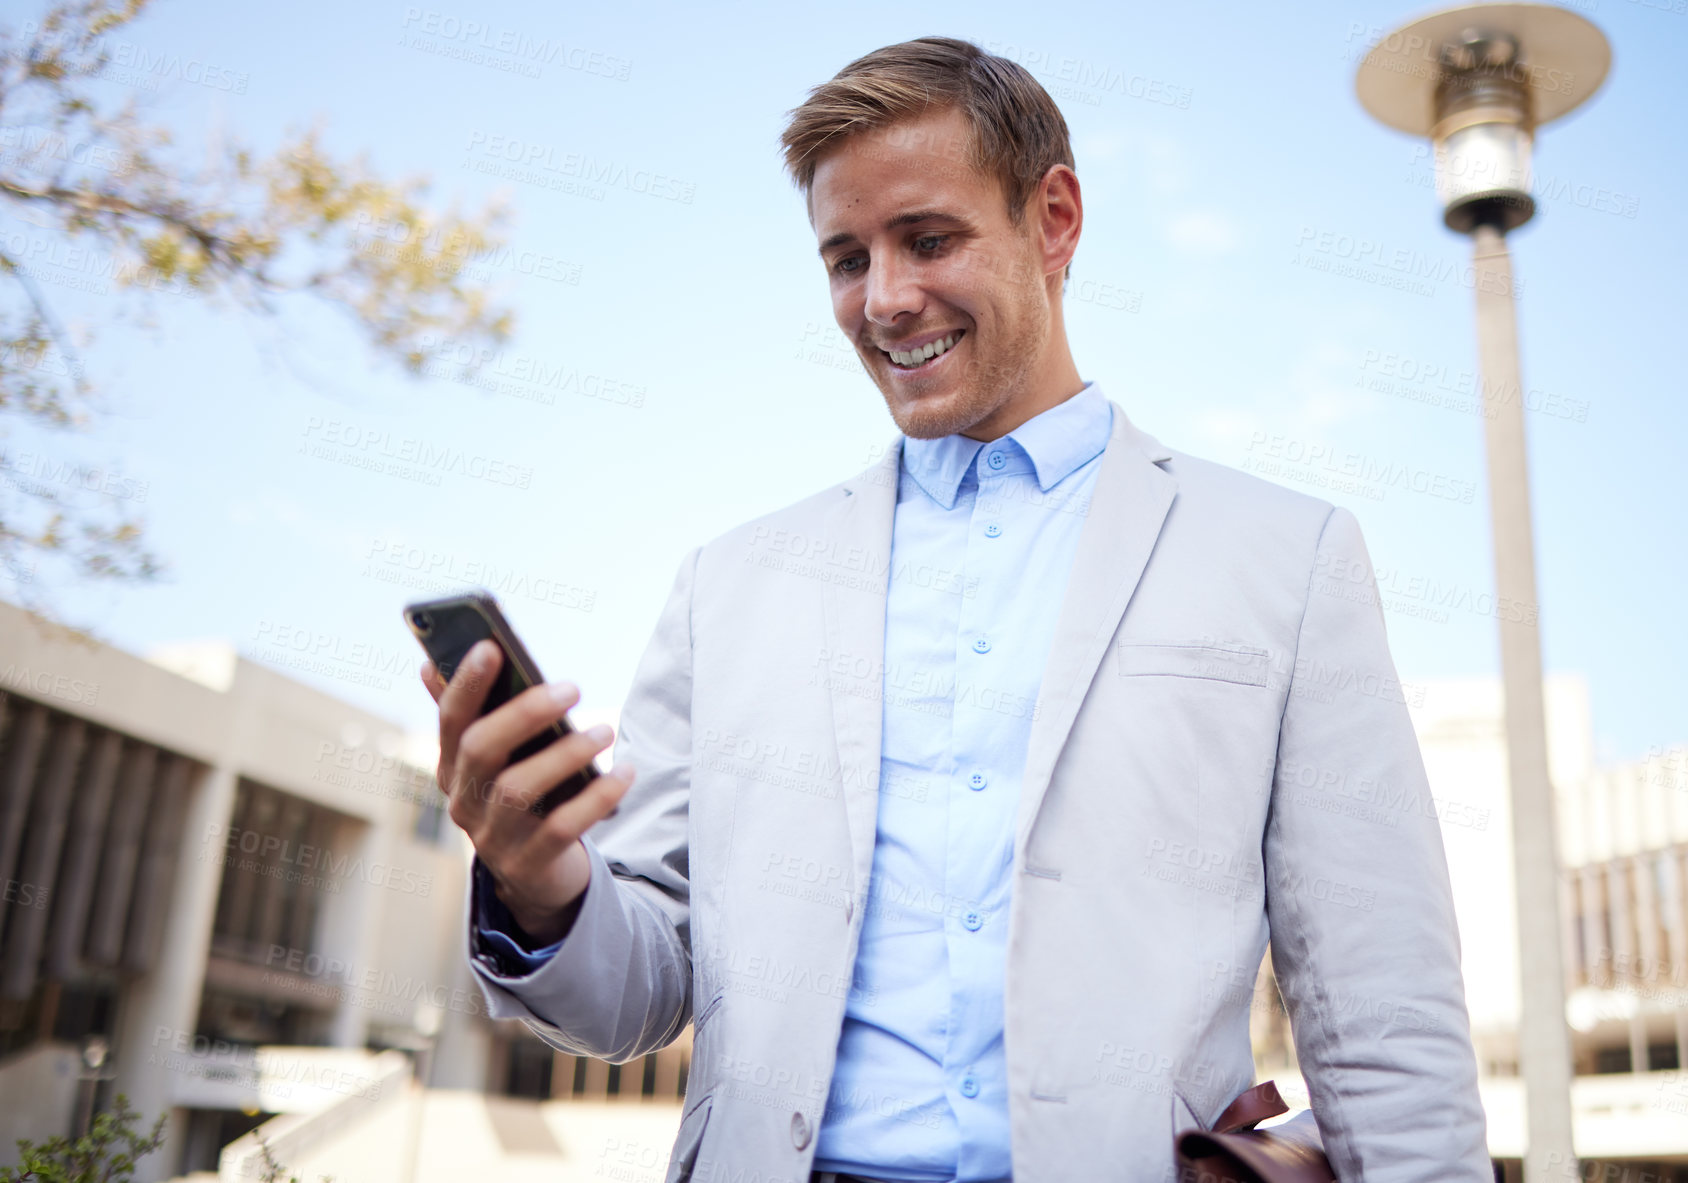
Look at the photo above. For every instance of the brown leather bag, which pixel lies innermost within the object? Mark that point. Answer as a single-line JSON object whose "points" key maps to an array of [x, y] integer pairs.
{"points": [[1233, 1151]]}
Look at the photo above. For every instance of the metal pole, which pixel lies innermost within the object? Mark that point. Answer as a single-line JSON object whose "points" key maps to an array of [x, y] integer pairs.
{"points": [[86, 1086], [420, 1072], [1544, 1046]]}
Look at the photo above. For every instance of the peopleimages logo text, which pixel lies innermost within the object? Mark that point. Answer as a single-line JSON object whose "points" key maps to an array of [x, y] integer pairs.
{"points": [[543, 51], [273, 849], [614, 174]]}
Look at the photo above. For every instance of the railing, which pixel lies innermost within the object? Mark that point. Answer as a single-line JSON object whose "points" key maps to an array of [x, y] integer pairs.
{"points": [[381, 1079]]}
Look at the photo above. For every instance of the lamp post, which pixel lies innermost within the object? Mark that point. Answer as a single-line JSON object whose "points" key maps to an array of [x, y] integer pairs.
{"points": [[95, 1051], [1479, 81], [427, 1020]]}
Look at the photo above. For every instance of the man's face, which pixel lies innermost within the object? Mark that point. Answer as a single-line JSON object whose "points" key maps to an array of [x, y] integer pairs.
{"points": [[920, 254]]}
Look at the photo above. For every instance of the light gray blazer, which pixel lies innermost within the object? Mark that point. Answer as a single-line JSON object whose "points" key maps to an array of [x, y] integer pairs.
{"points": [[1220, 753]]}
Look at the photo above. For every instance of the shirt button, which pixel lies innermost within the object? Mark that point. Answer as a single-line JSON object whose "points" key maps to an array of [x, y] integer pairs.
{"points": [[973, 921], [978, 781], [799, 1130], [969, 1087], [981, 646], [993, 531], [996, 459]]}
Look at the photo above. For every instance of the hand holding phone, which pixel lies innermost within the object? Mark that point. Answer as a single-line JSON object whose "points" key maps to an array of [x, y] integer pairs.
{"points": [[449, 628], [520, 780]]}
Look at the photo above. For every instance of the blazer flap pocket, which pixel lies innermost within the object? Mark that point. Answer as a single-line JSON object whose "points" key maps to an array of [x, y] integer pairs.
{"points": [[1244, 664], [1184, 1118], [689, 1141]]}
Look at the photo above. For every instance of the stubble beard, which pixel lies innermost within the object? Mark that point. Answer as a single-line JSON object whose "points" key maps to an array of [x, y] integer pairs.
{"points": [[982, 390], [988, 383], [930, 419]]}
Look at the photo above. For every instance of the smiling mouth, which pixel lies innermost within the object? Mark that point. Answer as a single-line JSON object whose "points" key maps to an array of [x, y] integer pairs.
{"points": [[914, 359]]}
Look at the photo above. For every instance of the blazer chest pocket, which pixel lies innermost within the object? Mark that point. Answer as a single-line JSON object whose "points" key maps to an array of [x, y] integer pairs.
{"points": [[1246, 665]]}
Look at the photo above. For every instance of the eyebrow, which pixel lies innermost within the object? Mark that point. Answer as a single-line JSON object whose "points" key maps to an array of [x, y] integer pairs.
{"points": [[908, 219]]}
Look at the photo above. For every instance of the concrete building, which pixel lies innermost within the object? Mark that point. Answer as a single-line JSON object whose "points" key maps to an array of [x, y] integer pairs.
{"points": [[201, 858]]}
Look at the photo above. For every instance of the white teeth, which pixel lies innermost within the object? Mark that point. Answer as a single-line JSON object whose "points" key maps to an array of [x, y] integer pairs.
{"points": [[926, 353]]}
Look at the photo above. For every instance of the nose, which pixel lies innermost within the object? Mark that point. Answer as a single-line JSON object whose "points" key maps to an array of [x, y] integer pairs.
{"points": [[892, 289]]}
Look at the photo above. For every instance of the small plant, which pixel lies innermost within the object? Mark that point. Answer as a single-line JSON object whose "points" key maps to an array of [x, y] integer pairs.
{"points": [[108, 1153], [105, 1154], [273, 1170]]}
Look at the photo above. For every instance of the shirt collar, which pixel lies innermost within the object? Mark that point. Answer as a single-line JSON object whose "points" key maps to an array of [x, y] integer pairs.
{"points": [[1058, 442]]}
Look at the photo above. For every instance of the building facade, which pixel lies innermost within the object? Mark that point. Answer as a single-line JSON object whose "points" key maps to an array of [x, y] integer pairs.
{"points": [[209, 874]]}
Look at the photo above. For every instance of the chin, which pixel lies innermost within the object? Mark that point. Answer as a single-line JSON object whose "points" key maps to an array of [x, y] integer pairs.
{"points": [[934, 418]]}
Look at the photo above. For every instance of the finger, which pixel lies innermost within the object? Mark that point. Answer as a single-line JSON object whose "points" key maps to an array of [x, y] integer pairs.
{"points": [[435, 685], [521, 785], [461, 700], [571, 820], [592, 804], [487, 742], [432, 680]]}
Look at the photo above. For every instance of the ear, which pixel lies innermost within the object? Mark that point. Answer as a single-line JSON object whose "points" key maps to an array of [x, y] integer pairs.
{"points": [[1057, 213]]}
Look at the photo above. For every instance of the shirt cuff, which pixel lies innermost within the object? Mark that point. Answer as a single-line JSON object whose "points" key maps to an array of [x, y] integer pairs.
{"points": [[498, 938]]}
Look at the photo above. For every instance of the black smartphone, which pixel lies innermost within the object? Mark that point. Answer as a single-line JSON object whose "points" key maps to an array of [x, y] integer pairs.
{"points": [[448, 628]]}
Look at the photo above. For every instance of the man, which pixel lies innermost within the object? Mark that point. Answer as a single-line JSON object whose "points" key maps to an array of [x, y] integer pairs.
{"points": [[970, 790]]}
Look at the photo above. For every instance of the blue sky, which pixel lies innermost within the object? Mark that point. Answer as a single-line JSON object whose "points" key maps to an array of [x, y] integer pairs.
{"points": [[1227, 293]]}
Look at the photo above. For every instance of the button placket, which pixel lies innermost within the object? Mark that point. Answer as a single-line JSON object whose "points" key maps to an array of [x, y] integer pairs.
{"points": [[989, 562]]}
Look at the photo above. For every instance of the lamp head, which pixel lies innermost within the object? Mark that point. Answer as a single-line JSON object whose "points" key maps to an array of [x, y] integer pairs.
{"points": [[1478, 81], [94, 1052]]}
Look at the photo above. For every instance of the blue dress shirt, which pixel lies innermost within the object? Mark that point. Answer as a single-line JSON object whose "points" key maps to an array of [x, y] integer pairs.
{"points": [[496, 947], [981, 547], [982, 543]]}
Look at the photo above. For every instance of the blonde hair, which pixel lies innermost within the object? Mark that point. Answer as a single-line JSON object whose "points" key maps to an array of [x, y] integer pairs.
{"points": [[1018, 133]]}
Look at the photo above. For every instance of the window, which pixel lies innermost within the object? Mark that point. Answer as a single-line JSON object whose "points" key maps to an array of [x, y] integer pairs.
{"points": [[279, 862], [1608, 1060], [529, 1070], [430, 825]]}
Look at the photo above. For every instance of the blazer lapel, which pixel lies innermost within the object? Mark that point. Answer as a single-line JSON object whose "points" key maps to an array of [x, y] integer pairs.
{"points": [[1127, 509], [855, 626]]}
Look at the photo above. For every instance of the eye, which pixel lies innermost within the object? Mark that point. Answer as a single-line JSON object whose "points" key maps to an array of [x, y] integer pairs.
{"points": [[930, 242], [842, 267]]}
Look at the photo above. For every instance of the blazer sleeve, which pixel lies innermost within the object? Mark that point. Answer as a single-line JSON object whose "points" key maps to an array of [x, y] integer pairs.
{"points": [[1364, 940], [619, 986]]}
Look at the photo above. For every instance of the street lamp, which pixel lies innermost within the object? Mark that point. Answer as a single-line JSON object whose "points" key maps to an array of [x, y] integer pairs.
{"points": [[1479, 81], [95, 1051]]}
